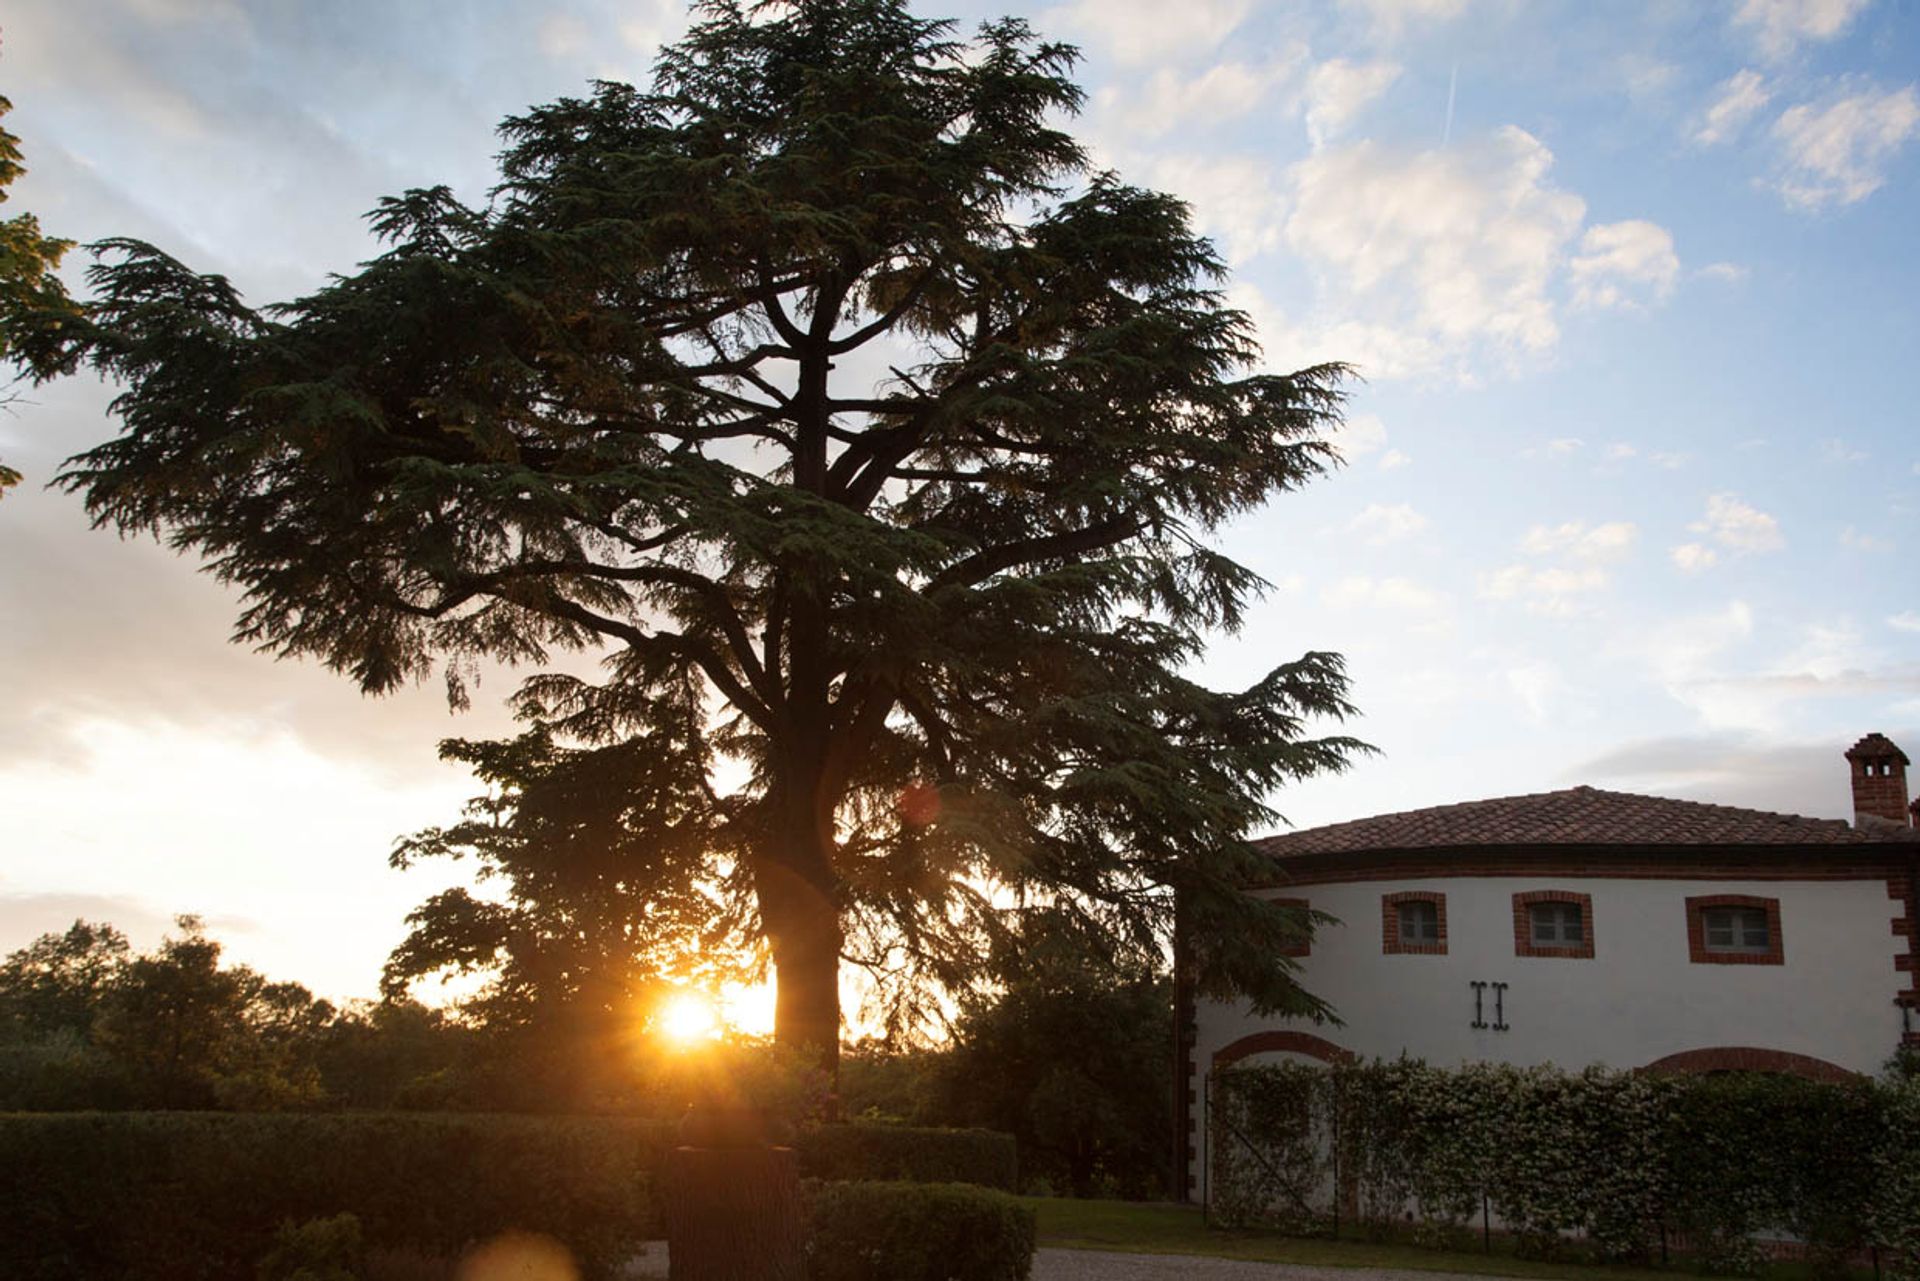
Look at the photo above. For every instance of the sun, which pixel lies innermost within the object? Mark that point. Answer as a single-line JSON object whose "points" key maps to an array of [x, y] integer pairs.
{"points": [[686, 1018]]}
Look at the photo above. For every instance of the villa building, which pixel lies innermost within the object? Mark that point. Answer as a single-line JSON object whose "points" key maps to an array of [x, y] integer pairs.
{"points": [[1586, 926]]}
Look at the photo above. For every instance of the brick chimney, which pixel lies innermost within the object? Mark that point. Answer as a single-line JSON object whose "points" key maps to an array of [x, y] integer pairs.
{"points": [[1879, 781]]}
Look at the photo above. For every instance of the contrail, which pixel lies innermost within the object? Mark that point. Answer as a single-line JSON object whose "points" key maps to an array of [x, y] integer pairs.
{"points": [[1453, 81]]}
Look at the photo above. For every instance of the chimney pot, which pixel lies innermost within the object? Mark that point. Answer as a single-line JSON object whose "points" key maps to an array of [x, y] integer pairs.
{"points": [[1879, 781]]}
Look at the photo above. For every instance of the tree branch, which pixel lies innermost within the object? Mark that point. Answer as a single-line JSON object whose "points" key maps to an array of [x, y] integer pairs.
{"points": [[990, 561]]}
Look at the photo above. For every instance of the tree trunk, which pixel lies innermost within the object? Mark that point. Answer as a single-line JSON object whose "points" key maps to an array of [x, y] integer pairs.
{"points": [[803, 927]]}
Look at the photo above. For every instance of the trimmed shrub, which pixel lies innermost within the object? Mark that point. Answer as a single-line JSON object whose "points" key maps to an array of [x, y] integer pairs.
{"points": [[167, 1196], [911, 1154], [317, 1250], [916, 1232]]}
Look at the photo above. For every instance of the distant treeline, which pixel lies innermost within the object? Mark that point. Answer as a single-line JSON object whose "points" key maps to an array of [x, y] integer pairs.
{"points": [[1070, 1057]]}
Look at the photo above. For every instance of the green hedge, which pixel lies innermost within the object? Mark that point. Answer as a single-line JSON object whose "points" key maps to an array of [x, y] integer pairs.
{"points": [[910, 1154], [168, 1196], [1611, 1162], [916, 1232], [185, 1195]]}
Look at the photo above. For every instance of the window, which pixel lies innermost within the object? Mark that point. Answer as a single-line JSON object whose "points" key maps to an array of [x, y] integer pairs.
{"points": [[1737, 929], [1734, 929], [1419, 923], [1413, 922], [1553, 923], [1557, 925]]}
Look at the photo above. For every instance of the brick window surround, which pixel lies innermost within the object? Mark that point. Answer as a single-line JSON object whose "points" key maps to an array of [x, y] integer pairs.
{"points": [[1390, 942], [1523, 944], [1305, 946], [1697, 930]]}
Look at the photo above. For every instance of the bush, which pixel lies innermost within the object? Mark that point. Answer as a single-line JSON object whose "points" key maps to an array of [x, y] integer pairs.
{"points": [[168, 1196], [1603, 1159], [916, 1232], [317, 1250], [909, 1154]]}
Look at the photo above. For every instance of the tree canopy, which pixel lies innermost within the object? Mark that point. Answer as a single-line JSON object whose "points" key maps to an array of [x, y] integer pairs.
{"points": [[871, 441], [28, 286]]}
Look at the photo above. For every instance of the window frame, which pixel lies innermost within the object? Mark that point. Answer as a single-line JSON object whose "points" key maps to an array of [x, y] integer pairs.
{"points": [[1391, 944], [1523, 943], [1698, 905]]}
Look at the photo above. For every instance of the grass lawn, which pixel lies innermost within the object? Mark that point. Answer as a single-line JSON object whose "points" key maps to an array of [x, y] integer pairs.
{"points": [[1154, 1228]]}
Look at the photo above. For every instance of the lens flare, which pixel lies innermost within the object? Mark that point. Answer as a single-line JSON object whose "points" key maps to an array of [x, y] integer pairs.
{"points": [[687, 1018], [519, 1256]]}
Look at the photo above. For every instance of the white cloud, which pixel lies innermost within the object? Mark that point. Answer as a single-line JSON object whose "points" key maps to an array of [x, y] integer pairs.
{"points": [[1688, 657], [1781, 25], [1646, 77], [1558, 447], [1393, 458], [1146, 31], [1390, 16], [1398, 595], [1357, 436], [1694, 558], [1538, 686], [1617, 256], [1906, 621], [1670, 459], [1225, 91], [1450, 250], [1581, 541], [1379, 523], [1739, 527], [1620, 450], [1835, 450], [1837, 154], [1339, 90], [1730, 273], [1553, 591], [1234, 198], [1861, 542], [1741, 97]]}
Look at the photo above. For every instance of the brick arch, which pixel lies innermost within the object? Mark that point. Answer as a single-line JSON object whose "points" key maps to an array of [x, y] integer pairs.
{"points": [[1315, 1047], [1745, 1058]]}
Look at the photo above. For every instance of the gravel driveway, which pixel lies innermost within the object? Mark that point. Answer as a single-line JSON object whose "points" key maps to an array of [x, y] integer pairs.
{"points": [[1102, 1265]]}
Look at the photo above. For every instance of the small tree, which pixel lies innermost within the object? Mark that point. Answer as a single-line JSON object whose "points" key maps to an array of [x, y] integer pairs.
{"points": [[56, 984], [1073, 1056], [874, 445]]}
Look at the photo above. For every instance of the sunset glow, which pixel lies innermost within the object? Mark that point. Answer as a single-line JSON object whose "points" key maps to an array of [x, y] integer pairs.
{"points": [[687, 1018]]}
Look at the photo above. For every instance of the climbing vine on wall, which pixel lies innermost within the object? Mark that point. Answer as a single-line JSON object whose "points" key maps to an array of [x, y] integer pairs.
{"points": [[1601, 1162]]}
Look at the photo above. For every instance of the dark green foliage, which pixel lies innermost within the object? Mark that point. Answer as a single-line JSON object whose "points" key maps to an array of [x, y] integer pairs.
{"points": [[317, 1250], [1750, 1150], [185, 1196], [84, 1023], [1073, 1056], [916, 1232], [944, 614], [168, 1195], [1597, 1160], [33, 302], [909, 1153], [56, 984]]}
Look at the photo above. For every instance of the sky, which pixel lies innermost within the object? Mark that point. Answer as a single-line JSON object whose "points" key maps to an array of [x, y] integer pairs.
{"points": [[1631, 476]]}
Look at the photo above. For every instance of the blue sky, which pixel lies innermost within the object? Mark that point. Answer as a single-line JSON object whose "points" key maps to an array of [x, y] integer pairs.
{"points": [[1630, 494]]}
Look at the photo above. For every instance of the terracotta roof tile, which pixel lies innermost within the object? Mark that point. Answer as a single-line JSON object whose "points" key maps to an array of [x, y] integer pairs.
{"points": [[1577, 816]]}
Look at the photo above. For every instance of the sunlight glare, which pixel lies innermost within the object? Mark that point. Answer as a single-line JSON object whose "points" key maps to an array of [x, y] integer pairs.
{"points": [[686, 1018]]}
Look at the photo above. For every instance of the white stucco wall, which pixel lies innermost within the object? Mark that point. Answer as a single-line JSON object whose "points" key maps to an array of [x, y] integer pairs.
{"points": [[1639, 998]]}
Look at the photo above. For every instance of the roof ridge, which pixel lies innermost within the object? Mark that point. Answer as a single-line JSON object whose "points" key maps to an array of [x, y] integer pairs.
{"points": [[1578, 815]]}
